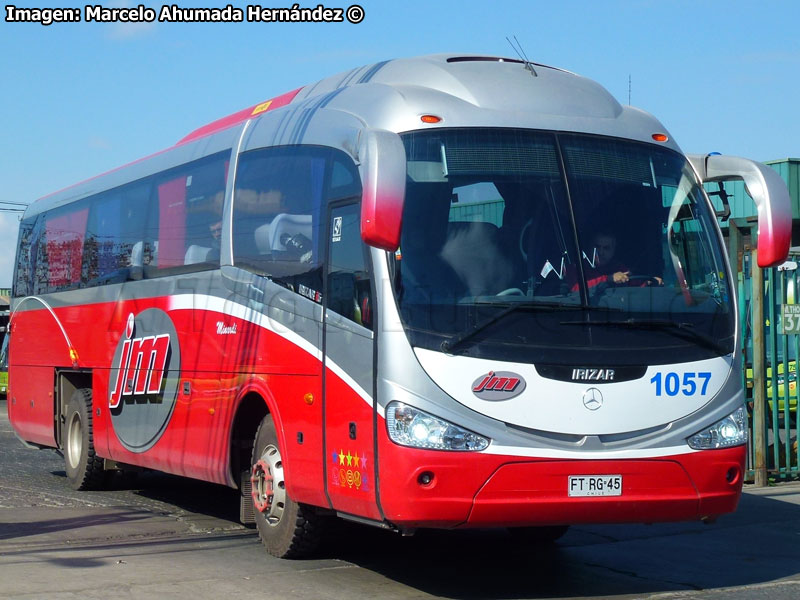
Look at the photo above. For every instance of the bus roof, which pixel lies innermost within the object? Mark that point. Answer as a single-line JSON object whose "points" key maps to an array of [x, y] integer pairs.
{"points": [[463, 90]]}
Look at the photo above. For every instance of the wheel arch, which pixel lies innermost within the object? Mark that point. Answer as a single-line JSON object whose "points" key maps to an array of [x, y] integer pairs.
{"points": [[253, 403], [67, 382]]}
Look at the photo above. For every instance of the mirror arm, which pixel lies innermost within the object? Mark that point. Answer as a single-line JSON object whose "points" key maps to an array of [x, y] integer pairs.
{"points": [[724, 214]]}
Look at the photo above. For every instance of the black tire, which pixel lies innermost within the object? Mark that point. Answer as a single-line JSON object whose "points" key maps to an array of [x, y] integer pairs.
{"points": [[286, 528], [538, 535], [85, 470]]}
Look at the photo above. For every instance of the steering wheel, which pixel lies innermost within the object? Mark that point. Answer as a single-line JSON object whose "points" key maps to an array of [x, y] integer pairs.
{"points": [[522, 233], [512, 292], [647, 280]]}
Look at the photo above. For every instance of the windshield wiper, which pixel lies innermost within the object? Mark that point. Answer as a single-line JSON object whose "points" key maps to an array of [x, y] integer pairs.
{"points": [[458, 339], [686, 330]]}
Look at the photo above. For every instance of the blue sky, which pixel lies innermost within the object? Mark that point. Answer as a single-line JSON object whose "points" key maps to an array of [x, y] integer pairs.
{"points": [[79, 99]]}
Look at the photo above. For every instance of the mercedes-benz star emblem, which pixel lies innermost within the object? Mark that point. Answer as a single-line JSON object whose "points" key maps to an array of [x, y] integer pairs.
{"points": [[592, 399]]}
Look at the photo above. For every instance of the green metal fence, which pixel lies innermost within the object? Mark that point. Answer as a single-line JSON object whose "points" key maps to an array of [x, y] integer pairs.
{"points": [[770, 366]]}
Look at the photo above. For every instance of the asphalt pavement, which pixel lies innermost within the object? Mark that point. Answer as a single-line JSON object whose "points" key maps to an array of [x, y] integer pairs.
{"points": [[158, 536]]}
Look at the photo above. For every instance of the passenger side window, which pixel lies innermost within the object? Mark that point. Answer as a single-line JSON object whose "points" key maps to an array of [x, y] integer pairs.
{"points": [[188, 214], [115, 234], [166, 223], [23, 279], [60, 248], [279, 222], [349, 292], [344, 179], [276, 215]]}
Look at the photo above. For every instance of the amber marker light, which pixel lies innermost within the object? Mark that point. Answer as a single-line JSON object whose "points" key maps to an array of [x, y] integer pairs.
{"points": [[430, 119], [660, 137], [309, 399]]}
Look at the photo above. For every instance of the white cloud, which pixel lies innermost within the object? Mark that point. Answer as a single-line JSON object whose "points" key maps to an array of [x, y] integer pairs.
{"points": [[125, 31]]}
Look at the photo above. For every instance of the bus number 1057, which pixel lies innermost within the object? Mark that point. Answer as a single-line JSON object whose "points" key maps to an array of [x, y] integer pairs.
{"points": [[672, 385]]}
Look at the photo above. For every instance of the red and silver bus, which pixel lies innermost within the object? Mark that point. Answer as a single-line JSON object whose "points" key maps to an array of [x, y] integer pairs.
{"points": [[439, 292]]}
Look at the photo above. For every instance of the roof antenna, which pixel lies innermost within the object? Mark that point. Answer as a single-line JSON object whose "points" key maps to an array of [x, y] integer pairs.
{"points": [[521, 53], [629, 89]]}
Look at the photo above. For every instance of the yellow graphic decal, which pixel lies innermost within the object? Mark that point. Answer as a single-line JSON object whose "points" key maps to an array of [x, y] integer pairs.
{"points": [[261, 108]]}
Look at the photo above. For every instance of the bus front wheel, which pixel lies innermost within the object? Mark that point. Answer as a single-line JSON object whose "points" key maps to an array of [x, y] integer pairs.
{"points": [[85, 470], [287, 528]]}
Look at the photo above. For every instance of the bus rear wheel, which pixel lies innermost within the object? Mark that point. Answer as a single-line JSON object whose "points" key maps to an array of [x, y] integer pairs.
{"points": [[287, 528], [85, 470]]}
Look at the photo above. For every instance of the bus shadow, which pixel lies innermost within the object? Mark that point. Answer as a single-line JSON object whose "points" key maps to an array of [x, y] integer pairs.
{"points": [[756, 545], [39, 527], [190, 495], [187, 495]]}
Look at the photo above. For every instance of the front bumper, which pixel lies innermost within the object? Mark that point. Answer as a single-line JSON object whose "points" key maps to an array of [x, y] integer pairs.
{"points": [[484, 490]]}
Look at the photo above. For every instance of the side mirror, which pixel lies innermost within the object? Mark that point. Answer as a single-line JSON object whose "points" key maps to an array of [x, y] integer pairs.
{"points": [[768, 191], [383, 179]]}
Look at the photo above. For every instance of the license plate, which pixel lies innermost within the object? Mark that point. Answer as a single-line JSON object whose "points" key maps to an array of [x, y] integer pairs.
{"points": [[595, 485]]}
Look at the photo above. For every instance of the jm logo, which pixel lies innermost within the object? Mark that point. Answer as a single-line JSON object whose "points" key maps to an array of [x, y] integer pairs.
{"points": [[141, 366], [502, 385], [491, 381], [592, 399]]}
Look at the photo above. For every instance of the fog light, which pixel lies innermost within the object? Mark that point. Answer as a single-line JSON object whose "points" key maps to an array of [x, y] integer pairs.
{"points": [[425, 478], [732, 476]]}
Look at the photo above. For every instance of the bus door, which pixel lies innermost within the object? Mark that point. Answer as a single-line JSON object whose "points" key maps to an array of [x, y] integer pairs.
{"points": [[349, 367]]}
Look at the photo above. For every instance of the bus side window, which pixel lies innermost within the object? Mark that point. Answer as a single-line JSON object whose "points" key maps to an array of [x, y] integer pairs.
{"points": [[114, 232], [186, 219], [59, 249], [348, 290], [23, 279], [276, 214]]}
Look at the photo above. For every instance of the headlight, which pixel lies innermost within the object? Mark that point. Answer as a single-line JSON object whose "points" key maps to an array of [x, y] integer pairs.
{"points": [[730, 431], [409, 426]]}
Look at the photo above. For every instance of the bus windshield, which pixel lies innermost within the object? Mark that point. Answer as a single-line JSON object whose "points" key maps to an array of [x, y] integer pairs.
{"points": [[558, 248]]}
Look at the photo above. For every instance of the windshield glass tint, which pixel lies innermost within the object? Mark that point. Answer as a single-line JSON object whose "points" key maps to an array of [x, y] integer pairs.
{"points": [[528, 246]]}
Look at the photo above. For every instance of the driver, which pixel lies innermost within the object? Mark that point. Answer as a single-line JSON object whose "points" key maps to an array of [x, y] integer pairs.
{"points": [[602, 266]]}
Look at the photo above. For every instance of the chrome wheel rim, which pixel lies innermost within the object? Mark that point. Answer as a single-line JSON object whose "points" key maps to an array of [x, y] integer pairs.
{"points": [[74, 440], [268, 486]]}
